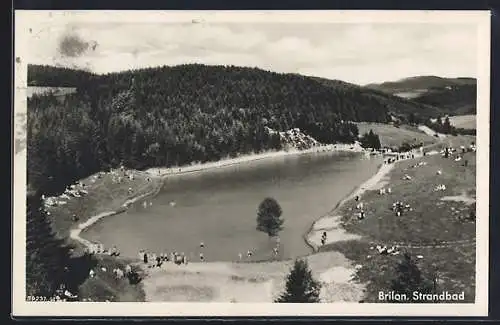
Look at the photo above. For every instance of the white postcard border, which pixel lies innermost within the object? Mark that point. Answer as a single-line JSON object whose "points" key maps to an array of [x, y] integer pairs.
{"points": [[20, 307]]}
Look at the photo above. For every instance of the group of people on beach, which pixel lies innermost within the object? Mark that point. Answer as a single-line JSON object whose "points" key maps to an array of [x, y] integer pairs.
{"points": [[98, 248], [360, 207], [156, 260]]}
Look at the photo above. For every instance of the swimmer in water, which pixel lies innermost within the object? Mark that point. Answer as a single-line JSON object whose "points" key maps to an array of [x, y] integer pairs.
{"points": [[202, 245], [202, 258]]}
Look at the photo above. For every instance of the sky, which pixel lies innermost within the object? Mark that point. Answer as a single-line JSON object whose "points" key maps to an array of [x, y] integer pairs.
{"points": [[360, 53]]}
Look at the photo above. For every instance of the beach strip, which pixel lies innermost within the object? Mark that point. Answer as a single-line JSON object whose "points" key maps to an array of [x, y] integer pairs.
{"points": [[164, 171]]}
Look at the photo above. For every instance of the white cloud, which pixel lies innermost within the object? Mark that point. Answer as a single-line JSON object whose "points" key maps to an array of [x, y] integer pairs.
{"points": [[359, 53]]}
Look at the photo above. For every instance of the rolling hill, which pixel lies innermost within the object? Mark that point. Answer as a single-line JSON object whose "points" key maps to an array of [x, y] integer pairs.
{"points": [[455, 96]]}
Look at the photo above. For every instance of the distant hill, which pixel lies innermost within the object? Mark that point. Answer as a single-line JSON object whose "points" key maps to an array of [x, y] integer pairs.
{"points": [[455, 96], [398, 107]]}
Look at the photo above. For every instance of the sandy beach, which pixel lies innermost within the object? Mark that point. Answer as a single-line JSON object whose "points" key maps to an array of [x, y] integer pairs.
{"points": [[163, 171], [330, 223]]}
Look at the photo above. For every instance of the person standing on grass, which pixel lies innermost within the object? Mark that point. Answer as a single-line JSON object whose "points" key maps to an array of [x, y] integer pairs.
{"points": [[323, 238]]}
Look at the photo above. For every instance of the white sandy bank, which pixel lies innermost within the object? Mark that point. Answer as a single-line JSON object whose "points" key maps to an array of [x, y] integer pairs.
{"points": [[331, 223], [247, 282], [161, 171]]}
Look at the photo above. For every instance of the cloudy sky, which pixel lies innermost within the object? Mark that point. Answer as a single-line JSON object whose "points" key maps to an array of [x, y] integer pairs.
{"points": [[355, 52]]}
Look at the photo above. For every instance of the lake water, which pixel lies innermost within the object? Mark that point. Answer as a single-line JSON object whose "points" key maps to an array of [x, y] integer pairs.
{"points": [[218, 207]]}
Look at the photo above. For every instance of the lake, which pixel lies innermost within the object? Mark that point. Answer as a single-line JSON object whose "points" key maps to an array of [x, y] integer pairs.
{"points": [[218, 207]]}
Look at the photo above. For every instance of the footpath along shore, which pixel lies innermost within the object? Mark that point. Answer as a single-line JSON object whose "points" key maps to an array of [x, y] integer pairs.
{"points": [[75, 233], [330, 223], [163, 171]]}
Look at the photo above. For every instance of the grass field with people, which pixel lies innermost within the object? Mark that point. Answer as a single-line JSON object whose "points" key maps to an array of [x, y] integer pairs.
{"points": [[436, 231]]}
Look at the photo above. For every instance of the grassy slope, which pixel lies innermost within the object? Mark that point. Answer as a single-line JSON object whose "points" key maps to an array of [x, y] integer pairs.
{"points": [[432, 221], [56, 91], [392, 136], [103, 196], [464, 121]]}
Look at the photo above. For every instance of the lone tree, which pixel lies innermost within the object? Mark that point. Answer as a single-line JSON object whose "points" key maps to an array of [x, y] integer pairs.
{"points": [[409, 278], [269, 218], [300, 285], [370, 140]]}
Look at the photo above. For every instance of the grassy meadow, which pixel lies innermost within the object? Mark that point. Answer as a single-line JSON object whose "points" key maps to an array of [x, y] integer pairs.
{"points": [[103, 195], [391, 136], [434, 229]]}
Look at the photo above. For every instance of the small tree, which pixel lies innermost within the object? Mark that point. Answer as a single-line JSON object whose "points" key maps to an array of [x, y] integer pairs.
{"points": [[409, 278], [269, 218], [300, 285], [447, 128], [370, 140]]}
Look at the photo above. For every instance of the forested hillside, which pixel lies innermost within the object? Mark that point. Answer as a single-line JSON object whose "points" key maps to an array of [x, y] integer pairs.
{"points": [[49, 76], [453, 100], [419, 83], [450, 96], [396, 106], [170, 116]]}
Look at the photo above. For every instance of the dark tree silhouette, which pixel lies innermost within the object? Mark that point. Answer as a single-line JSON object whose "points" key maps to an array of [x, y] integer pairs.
{"points": [[409, 278], [46, 256], [269, 219], [300, 286], [370, 140]]}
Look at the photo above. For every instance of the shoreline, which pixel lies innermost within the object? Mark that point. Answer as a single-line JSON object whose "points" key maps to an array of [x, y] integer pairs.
{"points": [[74, 233], [382, 171], [226, 162]]}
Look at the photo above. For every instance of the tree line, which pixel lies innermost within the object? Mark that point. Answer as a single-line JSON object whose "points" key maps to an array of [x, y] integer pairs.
{"points": [[445, 127], [171, 116]]}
